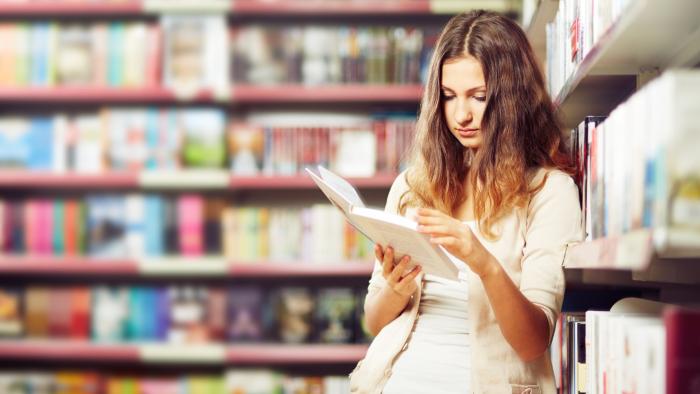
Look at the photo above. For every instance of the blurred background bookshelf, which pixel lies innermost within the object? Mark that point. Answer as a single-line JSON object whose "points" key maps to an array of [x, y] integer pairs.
{"points": [[158, 233]]}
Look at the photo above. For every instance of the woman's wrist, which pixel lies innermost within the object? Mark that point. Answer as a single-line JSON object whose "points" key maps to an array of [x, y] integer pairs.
{"points": [[394, 296], [491, 267]]}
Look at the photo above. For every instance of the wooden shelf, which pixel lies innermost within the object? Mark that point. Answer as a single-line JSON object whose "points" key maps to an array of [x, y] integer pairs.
{"points": [[330, 7], [100, 95], [239, 94], [269, 354], [206, 266], [304, 182], [47, 180], [249, 94], [660, 255], [67, 8], [278, 354], [265, 8], [177, 180], [64, 350], [648, 35]]}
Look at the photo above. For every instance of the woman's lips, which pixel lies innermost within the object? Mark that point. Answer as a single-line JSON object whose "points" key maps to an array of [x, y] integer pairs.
{"points": [[467, 133]]}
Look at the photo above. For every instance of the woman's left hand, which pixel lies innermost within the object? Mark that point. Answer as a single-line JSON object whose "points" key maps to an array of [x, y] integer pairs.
{"points": [[457, 238]]}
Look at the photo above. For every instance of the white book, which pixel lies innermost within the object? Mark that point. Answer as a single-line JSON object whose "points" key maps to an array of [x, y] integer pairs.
{"points": [[387, 229]]}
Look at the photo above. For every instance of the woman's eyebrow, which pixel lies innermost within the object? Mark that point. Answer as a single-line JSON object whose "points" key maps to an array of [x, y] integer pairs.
{"points": [[470, 90]]}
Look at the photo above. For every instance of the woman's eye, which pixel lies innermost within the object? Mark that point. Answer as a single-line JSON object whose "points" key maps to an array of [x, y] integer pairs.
{"points": [[447, 98], [480, 99]]}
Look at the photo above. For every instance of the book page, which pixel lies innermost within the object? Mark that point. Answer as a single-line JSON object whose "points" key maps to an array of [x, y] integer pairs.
{"points": [[401, 234], [342, 186]]}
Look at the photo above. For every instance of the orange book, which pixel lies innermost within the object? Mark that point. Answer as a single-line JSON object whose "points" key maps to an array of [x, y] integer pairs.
{"points": [[36, 312], [69, 228]]}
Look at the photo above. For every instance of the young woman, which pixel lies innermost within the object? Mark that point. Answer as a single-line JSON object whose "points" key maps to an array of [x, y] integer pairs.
{"points": [[489, 182]]}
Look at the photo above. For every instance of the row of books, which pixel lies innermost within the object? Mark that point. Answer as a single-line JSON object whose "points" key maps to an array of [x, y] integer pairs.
{"points": [[184, 314], [577, 26], [137, 226], [135, 139], [184, 53], [234, 381], [315, 55], [638, 168], [119, 54], [627, 351]]}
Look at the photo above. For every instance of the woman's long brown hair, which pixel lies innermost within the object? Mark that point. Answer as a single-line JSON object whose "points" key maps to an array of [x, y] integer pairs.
{"points": [[520, 129]]}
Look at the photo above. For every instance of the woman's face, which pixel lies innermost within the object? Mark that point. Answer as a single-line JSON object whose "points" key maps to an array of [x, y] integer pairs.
{"points": [[464, 99]]}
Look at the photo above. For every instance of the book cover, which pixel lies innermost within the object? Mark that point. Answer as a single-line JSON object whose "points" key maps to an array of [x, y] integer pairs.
{"points": [[682, 350], [11, 312], [37, 312], [110, 310], [293, 309], [245, 320], [387, 229], [204, 136], [75, 56], [246, 148], [190, 214], [334, 317]]}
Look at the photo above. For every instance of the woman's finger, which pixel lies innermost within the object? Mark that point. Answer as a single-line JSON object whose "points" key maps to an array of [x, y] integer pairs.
{"points": [[399, 269], [387, 262], [435, 229], [408, 278]]}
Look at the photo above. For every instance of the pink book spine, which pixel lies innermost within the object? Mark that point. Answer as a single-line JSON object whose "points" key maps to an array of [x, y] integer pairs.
{"points": [[46, 227], [190, 224]]}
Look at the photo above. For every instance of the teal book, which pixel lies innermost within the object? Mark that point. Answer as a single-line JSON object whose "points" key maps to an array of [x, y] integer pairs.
{"points": [[58, 239]]}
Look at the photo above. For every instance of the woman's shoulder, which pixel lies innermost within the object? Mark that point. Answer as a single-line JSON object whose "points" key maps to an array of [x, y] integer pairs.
{"points": [[550, 179]]}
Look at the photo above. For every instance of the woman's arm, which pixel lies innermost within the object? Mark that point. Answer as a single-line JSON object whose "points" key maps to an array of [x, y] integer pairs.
{"points": [[384, 305], [523, 324], [527, 313]]}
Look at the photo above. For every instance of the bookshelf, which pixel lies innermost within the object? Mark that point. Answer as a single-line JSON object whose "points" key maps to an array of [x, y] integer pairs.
{"points": [[179, 266], [646, 39], [240, 95], [220, 274], [613, 60], [287, 8], [157, 354], [648, 36], [177, 180]]}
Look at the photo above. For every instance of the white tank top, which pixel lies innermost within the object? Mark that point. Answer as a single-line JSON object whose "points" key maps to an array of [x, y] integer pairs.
{"points": [[435, 359]]}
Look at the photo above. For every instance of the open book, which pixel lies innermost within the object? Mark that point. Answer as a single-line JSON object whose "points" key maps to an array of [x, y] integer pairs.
{"points": [[387, 229]]}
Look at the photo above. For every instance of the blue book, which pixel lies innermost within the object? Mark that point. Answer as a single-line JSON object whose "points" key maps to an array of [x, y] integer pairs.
{"points": [[161, 311], [154, 227], [115, 57]]}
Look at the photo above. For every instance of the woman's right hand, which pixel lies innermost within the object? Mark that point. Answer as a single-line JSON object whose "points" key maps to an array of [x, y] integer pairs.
{"points": [[393, 273]]}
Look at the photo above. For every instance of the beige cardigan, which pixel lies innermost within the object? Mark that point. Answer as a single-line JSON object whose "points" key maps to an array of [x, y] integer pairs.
{"points": [[531, 248]]}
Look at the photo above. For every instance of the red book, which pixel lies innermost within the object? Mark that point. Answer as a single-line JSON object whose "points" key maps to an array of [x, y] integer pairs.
{"points": [[80, 313], [682, 350]]}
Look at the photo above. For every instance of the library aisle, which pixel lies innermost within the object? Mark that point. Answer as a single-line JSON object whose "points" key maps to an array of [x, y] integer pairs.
{"points": [[158, 233]]}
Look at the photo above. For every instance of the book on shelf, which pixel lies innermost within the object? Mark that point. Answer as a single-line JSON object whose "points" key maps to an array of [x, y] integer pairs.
{"points": [[387, 229]]}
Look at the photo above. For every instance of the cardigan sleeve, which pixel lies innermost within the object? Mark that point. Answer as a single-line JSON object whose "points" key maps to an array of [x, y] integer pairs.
{"points": [[553, 223], [398, 188]]}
